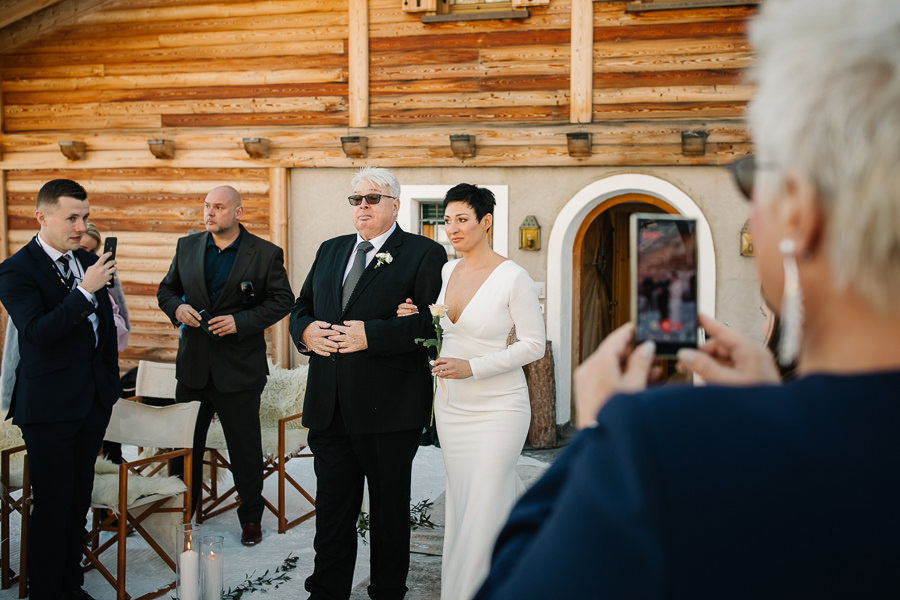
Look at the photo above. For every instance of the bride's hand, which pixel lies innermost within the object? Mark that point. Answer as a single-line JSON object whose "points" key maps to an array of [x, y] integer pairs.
{"points": [[407, 308], [451, 368]]}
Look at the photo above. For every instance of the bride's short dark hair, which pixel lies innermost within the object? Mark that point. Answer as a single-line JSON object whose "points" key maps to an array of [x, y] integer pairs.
{"points": [[480, 199]]}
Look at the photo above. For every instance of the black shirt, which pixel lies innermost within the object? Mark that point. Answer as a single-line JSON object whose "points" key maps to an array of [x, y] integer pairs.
{"points": [[217, 266]]}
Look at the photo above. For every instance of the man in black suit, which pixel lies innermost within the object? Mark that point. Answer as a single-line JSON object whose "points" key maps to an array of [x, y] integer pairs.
{"points": [[238, 281], [66, 382], [369, 389]]}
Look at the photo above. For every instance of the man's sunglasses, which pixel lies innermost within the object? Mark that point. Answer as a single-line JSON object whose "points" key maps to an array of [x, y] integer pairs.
{"points": [[744, 171], [356, 199]]}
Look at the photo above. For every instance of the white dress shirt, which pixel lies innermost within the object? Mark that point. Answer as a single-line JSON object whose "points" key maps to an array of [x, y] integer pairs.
{"points": [[376, 242], [77, 270]]}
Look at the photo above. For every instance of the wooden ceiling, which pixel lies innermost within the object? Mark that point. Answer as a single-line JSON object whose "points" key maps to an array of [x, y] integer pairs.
{"points": [[24, 20]]}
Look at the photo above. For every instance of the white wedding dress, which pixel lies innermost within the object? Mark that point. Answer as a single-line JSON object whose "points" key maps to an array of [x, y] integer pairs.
{"points": [[482, 421]]}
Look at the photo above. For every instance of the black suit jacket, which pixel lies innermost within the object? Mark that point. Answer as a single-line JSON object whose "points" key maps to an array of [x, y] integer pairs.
{"points": [[386, 387], [236, 362], [61, 371]]}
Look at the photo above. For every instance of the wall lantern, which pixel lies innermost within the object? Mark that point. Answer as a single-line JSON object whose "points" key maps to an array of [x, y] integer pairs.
{"points": [[693, 143], [355, 146], [746, 240], [256, 147], [530, 234], [164, 149], [579, 143], [73, 150], [462, 145]]}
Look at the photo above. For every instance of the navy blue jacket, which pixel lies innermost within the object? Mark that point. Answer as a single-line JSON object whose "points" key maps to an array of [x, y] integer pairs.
{"points": [[60, 371], [711, 492]]}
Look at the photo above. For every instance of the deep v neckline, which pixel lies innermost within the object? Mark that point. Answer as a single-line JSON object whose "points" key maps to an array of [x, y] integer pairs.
{"points": [[478, 291]]}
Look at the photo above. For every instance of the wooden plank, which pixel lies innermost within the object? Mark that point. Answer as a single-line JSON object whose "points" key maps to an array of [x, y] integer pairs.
{"points": [[253, 120], [278, 234], [442, 115], [358, 44], [580, 89], [161, 172], [16, 10], [182, 11], [195, 185], [436, 85], [424, 57], [493, 39], [524, 82], [480, 99], [45, 21], [4, 223]]}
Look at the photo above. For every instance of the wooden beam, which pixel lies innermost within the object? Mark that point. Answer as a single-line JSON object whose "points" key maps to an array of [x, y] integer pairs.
{"points": [[16, 10], [49, 19], [581, 84], [4, 223], [358, 46], [278, 235]]}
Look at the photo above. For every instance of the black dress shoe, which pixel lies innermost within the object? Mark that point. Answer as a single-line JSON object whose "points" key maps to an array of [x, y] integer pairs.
{"points": [[79, 594], [251, 534]]}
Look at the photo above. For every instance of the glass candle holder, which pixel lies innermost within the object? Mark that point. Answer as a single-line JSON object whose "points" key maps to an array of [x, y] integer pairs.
{"points": [[213, 567], [187, 561]]}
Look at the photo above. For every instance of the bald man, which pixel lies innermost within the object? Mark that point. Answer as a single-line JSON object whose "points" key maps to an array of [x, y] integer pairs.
{"points": [[238, 282]]}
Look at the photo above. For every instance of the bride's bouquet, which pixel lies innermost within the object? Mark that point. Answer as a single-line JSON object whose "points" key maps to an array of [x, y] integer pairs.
{"points": [[437, 311]]}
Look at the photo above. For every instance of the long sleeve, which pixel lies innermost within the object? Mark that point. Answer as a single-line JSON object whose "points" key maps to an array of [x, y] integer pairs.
{"points": [[525, 311]]}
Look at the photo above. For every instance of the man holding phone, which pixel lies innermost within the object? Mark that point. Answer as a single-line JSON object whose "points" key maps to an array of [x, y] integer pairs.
{"points": [[226, 286]]}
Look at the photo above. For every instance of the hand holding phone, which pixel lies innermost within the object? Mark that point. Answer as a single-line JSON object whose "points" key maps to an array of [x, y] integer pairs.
{"points": [[109, 245], [204, 322]]}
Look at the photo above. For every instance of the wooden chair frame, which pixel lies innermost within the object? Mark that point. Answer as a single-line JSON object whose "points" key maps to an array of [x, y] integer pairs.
{"points": [[8, 506], [93, 548], [215, 503]]}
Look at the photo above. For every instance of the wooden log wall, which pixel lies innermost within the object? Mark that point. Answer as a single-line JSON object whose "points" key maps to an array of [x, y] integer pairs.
{"points": [[148, 210]]}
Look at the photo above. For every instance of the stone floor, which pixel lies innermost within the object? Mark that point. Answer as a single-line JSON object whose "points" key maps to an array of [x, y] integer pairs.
{"points": [[424, 580]]}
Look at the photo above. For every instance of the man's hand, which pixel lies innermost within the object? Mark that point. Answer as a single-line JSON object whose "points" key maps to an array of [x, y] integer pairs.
{"points": [[186, 315], [728, 358], [98, 274], [611, 369], [351, 337], [222, 325], [316, 338]]}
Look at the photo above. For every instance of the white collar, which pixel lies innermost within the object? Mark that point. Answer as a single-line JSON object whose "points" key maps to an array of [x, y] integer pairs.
{"points": [[377, 242], [52, 252]]}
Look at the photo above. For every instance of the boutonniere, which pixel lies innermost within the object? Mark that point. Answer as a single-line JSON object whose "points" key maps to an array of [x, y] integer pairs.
{"points": [[383, 258]]}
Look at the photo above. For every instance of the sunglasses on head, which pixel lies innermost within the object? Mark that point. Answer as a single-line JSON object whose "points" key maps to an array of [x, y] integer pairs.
{"points": [[356, 199]]}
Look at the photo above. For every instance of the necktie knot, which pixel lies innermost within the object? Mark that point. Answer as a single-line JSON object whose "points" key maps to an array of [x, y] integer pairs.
{"points": [[364, 247]]}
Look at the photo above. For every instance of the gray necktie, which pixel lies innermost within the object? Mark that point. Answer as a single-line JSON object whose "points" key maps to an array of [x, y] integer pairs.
{"points": [[356, 271]]}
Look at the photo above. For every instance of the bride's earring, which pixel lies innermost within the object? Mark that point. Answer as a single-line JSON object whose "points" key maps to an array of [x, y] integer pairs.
{"points": [[791, 305]]}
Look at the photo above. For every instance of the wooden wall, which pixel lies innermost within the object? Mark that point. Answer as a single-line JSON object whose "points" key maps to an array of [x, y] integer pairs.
{"points": [[148, 209]]}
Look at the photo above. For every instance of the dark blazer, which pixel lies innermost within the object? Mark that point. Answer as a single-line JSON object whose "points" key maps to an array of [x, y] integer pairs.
{"points": [[386, 387], [748, 492], [58, 377], [237, 362]]}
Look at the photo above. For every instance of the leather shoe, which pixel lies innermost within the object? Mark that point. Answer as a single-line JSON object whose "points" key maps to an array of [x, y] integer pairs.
{"points": [[251, 534]]}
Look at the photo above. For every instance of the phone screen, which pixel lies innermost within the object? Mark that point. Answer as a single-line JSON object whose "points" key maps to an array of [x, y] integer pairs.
{"points": [[664, 281]]}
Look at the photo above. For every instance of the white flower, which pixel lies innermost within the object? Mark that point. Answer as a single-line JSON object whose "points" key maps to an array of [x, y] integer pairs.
{"points": [[384, 258], [438, 310]]}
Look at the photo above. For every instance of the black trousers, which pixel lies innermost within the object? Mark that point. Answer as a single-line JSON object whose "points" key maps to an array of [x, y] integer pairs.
{"points": [[342, 462], [61, 460], [239, 414]]}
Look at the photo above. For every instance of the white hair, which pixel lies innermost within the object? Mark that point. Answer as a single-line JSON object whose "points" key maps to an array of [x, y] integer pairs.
{"points": [[380, 177], [828, 106]]}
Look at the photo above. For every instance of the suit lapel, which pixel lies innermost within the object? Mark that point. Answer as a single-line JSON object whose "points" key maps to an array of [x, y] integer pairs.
{"points": [[198, 265], [245, 251], [40, 257], [372, 271]]}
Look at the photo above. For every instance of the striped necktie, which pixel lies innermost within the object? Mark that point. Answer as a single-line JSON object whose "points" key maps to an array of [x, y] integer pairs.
{"points": [[65, 268]]}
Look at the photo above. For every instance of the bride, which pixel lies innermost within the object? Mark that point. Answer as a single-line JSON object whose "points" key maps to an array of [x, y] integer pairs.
{"points": [[481, 405]]}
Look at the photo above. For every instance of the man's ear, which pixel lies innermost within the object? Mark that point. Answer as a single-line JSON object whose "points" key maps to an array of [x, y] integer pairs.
{"points": [[239, 211], [801, 213], [39, 215]]}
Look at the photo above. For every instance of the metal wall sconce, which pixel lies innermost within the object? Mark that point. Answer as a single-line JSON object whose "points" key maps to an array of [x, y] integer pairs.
{"points": [[530, 234], [462, 145], [257, 147], [693, 143], [746, 240], [164, 149], [579, 143], [73, 150], [355, 146]]}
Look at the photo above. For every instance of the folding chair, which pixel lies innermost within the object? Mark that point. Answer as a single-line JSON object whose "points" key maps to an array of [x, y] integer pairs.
{"points": [[13, 478], [283, 438], [138, 494]]}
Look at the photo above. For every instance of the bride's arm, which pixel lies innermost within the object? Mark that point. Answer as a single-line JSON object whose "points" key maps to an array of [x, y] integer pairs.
{"points": [[525, 310]]}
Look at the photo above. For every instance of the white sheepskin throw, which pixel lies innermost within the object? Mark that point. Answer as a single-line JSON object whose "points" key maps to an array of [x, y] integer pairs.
{"points": [[283, 395], [106, 485], [11, 436]]}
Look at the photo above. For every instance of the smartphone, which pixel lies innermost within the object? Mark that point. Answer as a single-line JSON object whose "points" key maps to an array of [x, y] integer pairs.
{"points": [[664, 281], [109, 245], [204, 321]]}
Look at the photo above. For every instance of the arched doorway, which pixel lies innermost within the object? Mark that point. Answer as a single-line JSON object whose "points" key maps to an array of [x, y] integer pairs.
{"points": [[600, 269], [564, 299]]}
